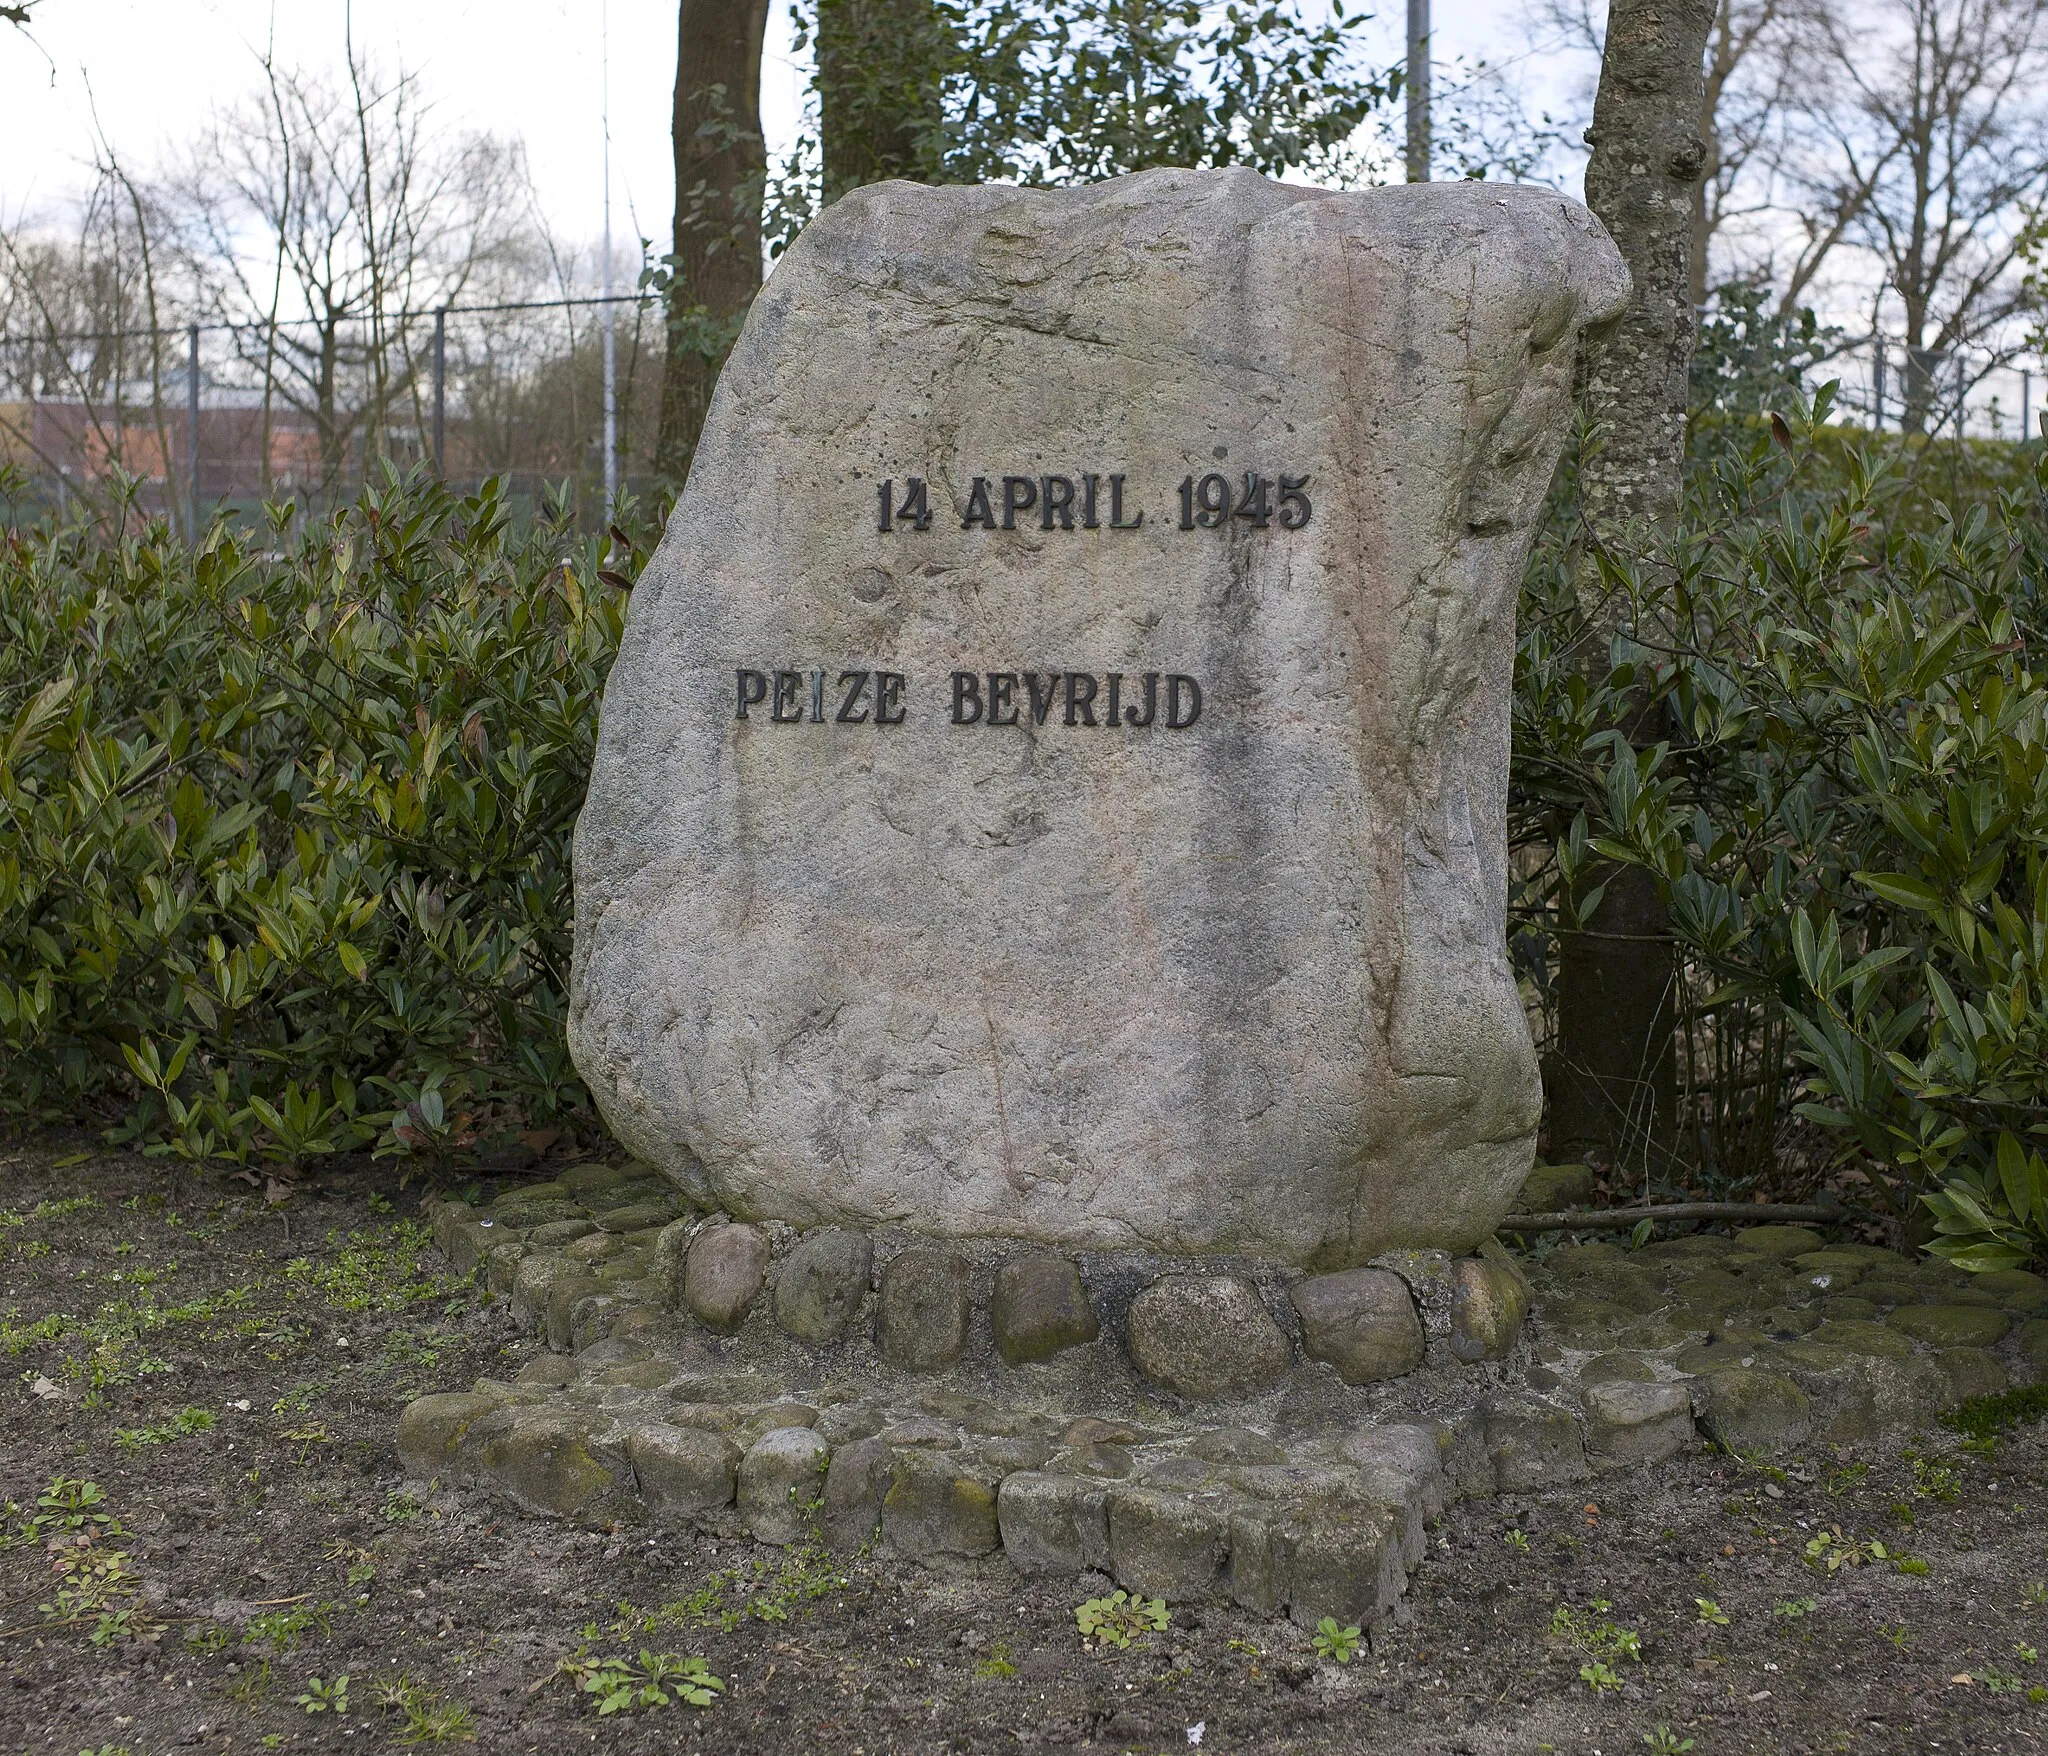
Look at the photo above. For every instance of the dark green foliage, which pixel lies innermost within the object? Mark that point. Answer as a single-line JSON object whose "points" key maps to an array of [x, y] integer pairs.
{"points": [[1839, 780], [286, 853]]}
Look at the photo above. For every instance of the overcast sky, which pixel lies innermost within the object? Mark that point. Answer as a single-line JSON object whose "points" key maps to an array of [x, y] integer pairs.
{"points": [[152, 69]]}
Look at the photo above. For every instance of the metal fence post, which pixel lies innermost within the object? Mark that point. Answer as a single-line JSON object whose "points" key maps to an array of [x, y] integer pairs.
{"points": [[1877, 382], [441, 392], [192, 430], [2026, 404]]}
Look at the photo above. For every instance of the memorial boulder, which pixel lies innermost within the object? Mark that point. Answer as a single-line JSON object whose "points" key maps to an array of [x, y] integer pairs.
{"points": [[1052, 784]]}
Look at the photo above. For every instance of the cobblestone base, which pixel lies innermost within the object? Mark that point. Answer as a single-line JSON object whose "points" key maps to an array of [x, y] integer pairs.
{"points": [[1193, 1430]]}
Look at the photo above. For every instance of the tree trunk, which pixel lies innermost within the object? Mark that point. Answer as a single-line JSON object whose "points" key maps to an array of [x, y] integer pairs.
{"points": [[721, 168], [881, 68], [1614, 1083]]}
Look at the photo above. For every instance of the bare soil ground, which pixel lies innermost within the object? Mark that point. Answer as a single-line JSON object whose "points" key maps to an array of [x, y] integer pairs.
{"points": [[226, 1375]]}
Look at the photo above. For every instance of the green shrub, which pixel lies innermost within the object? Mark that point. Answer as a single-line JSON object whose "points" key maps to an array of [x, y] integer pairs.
{"points": [[285, 867], [1825, 733]]}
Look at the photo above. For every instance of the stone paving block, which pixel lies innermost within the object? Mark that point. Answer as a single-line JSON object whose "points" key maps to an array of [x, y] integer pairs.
{"points": [[683, 1472], [778, 1480], [938, 1503], [549, 1460], [1751, 1410], [2020, 1291], [1632, 1424], [1364, 1322], [1533, 1444], [1488, 1307], [1169, 1542], [566, 1289], [1952, 1325], [432, 1428], [1971, 1371], [855, 1482], [1779, 1241], [1053, 1521]]}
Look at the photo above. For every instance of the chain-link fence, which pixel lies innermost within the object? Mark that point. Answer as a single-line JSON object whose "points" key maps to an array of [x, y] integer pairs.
{"points": [[186, 419]]}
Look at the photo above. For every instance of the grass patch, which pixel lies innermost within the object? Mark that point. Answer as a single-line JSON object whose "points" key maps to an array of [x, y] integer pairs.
{"points": [[1985, 1418]]}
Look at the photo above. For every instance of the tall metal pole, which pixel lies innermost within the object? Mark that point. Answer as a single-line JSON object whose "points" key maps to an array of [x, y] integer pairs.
{"points": [[441, 392], [1877, 421], [1418, 91], [2026, 405], [611, 334], [192, 430]]}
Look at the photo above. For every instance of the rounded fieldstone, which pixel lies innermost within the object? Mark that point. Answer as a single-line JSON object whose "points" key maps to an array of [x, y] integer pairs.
{"points": [[1951, 1325], [723, 1274], [640, 1216], [1862, 1338], [2033, 1342], [1780, 1241], [1488, 1305], [431, 1427], [1634, 1423], [1362, 1321], [1553, 1188], [1039, 1309], [1787, 1320], [556, 1233], [1208, 1336], [921, 1315], [780, 1480], [2016, 1289], [593, 1246], [595, 1179], [819, 1290]]}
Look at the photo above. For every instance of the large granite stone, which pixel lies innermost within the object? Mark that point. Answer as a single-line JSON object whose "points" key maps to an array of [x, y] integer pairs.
{"points": [[1197, 981], [822, 1284], [1362, 1321]]}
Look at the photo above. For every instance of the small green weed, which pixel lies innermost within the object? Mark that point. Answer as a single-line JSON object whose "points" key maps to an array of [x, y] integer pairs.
{"points": [[1934, 1481], [1119, 1620], [1834, 1551], [1666, 1742], [320, 1697], [428, 1718], [1900, 1636], [402, 1508], [251, 1686], [995, 1662], [209, 1641], [619, 1685], [1709, 1611], [181, 1425], [2000, 1682], [1518, 1540], [1602, 1643], [1795, 1607], [1333, 1642], [284, 1629], [2036, 1594]]}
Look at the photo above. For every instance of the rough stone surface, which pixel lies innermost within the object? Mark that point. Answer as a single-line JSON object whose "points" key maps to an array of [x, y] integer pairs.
{"points": [[1208, 1337], [723, 1274], [1553, 1188], [1629, 1424], [921, 1317], [1488, 1305], [1749, 1409], [683, 1471], [778, 1479], [1951, 1325], [1235, 987], [432, 1427], [938, 1504], [1039, 1309], [1533, 1444], [821, 1284], [1362, 1321]]}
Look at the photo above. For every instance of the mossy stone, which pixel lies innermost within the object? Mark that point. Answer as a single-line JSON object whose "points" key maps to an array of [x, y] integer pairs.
{"points": [[1568, 1261], [1788, 1320], [640, 1216], [1863, 1338], [1701, 1247], [1554, 1188], [1972, 1372], [594, 1179], [2020, 1291], [822, 1285], [1587, 1322], [1846, 1307], [557, 1233], [2033, 1343], [1040, 1308], [1779, 1241], [1749, 1410], [1722, 1356], [1951, 1325]]}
